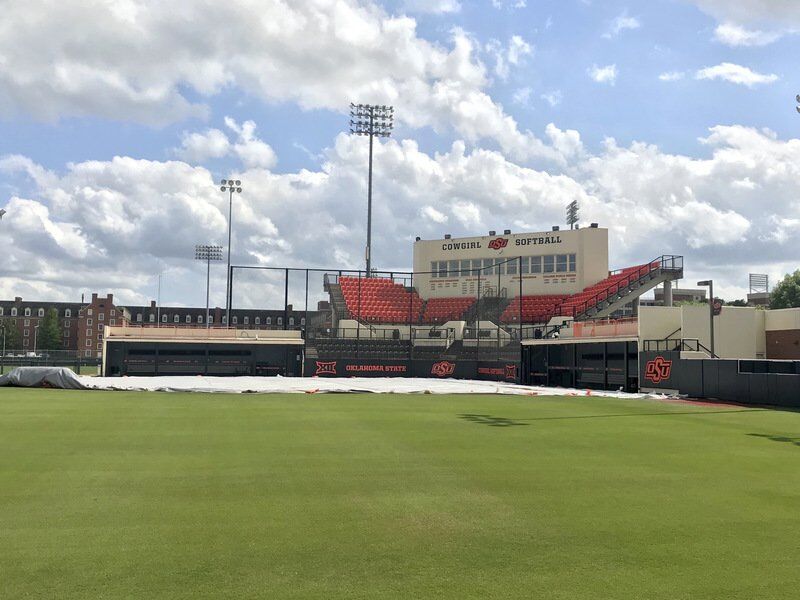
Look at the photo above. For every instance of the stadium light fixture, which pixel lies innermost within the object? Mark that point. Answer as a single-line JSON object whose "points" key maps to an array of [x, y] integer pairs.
{"points": [[710, 285], [798, 102], [207, 253], [2, 212], [371, 120], [572, 214], [230, 186]]}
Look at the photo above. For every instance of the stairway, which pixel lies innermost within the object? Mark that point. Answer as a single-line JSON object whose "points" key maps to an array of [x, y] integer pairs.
{"points": [[621, 288]]}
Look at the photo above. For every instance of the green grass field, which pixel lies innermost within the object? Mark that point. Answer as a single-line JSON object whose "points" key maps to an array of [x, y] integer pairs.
{"points": [[134, 495]]}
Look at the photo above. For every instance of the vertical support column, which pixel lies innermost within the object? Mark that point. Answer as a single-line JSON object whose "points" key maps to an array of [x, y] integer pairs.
{"points": [[668, 293]]}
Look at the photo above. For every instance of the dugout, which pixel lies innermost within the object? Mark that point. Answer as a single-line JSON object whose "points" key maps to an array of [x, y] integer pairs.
{"points": [[593, 363], [154, 351]]}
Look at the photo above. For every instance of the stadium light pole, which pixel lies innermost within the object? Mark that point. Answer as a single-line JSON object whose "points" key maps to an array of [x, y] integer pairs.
{"points": [[371, 120], [230, 186], [710, 285], [207, 253]]}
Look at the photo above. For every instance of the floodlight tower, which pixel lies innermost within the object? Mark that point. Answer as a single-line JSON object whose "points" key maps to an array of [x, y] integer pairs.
{"points": [[230, 186], [372, 120], [207, 253], [572, 214]]}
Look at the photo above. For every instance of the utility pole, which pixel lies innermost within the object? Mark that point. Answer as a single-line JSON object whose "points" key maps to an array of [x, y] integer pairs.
{"points": [[371, 120]]}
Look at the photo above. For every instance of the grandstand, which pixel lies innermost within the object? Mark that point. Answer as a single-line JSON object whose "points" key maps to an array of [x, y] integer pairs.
{"points": [[475, 299]]}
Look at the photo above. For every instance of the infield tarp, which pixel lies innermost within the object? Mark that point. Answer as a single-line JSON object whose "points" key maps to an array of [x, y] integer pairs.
{"points": [[56, 377], [64, 378]]}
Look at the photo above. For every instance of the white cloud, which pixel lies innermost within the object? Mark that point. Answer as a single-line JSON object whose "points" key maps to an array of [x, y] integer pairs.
{"points": [[111, 225], [213, 143], [607, 74], [432, 6], [672, 76], [511, 55], [92, 58], [785, 13], [736, 74], [620, 24], [430, 213], [509, 4], [553, 98], [253, 152], [522, 96], [731, 34], [199, 147]]}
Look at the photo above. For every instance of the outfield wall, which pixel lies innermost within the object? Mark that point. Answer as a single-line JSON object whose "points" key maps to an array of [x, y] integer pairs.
{"points": [[507, 371], [758, 382]]}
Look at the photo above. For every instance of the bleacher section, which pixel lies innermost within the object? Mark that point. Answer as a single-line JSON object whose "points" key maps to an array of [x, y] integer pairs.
{"points": [[379, 300], [535, 309], [441, 310], [582, 301]]}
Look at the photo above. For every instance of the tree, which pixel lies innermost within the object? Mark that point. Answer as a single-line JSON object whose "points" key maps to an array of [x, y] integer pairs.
{"points": [[787, 293], [738, 302], [13, 341], [49, 337]]}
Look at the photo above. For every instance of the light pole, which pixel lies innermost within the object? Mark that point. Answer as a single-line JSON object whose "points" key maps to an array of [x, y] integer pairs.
{"points": [[710, 284], [35, 335], [207, 253], [230, 186], [372, 120]]}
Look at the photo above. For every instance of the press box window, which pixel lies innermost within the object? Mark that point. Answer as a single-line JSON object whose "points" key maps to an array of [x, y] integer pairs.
{"points": [[536, 264], [465, 268], [452, 271], [476, 266], [561, 263], [442, 268], [549, 263], [511, 266], [434, 269], [572, 263], [499, 266]]}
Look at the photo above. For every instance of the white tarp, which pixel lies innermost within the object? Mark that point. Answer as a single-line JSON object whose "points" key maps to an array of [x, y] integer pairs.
{"points": [[61, 377]]}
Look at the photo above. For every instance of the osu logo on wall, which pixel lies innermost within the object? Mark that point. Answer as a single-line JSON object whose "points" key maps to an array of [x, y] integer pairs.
{"points": [[498, 243], [658, 369], [443, 368], [511, 372], [325, 368]]}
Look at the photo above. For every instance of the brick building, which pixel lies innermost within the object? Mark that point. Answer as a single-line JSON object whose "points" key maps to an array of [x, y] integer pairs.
{"points": [[26, 316], [83, 322]]}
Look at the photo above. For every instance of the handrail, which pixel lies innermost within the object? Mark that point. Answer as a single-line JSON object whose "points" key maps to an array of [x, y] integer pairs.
{"points": [[676, 345], [665, 262]]}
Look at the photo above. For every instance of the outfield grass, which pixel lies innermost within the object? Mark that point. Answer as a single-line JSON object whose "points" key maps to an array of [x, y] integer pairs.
{"points": [[134, 495]]}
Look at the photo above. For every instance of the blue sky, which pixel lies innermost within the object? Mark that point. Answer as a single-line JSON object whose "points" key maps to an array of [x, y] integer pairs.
{"points": [[667, 73]]}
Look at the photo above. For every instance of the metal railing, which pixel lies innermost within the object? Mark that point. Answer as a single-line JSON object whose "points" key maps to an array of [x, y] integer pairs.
{"points": [[664, 263], [676, 345]]}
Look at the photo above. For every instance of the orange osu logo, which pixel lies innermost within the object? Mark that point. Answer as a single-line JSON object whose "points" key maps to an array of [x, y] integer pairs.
{"points": [[658, 369], [326, 368], [443, 368], [498, 243]]}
